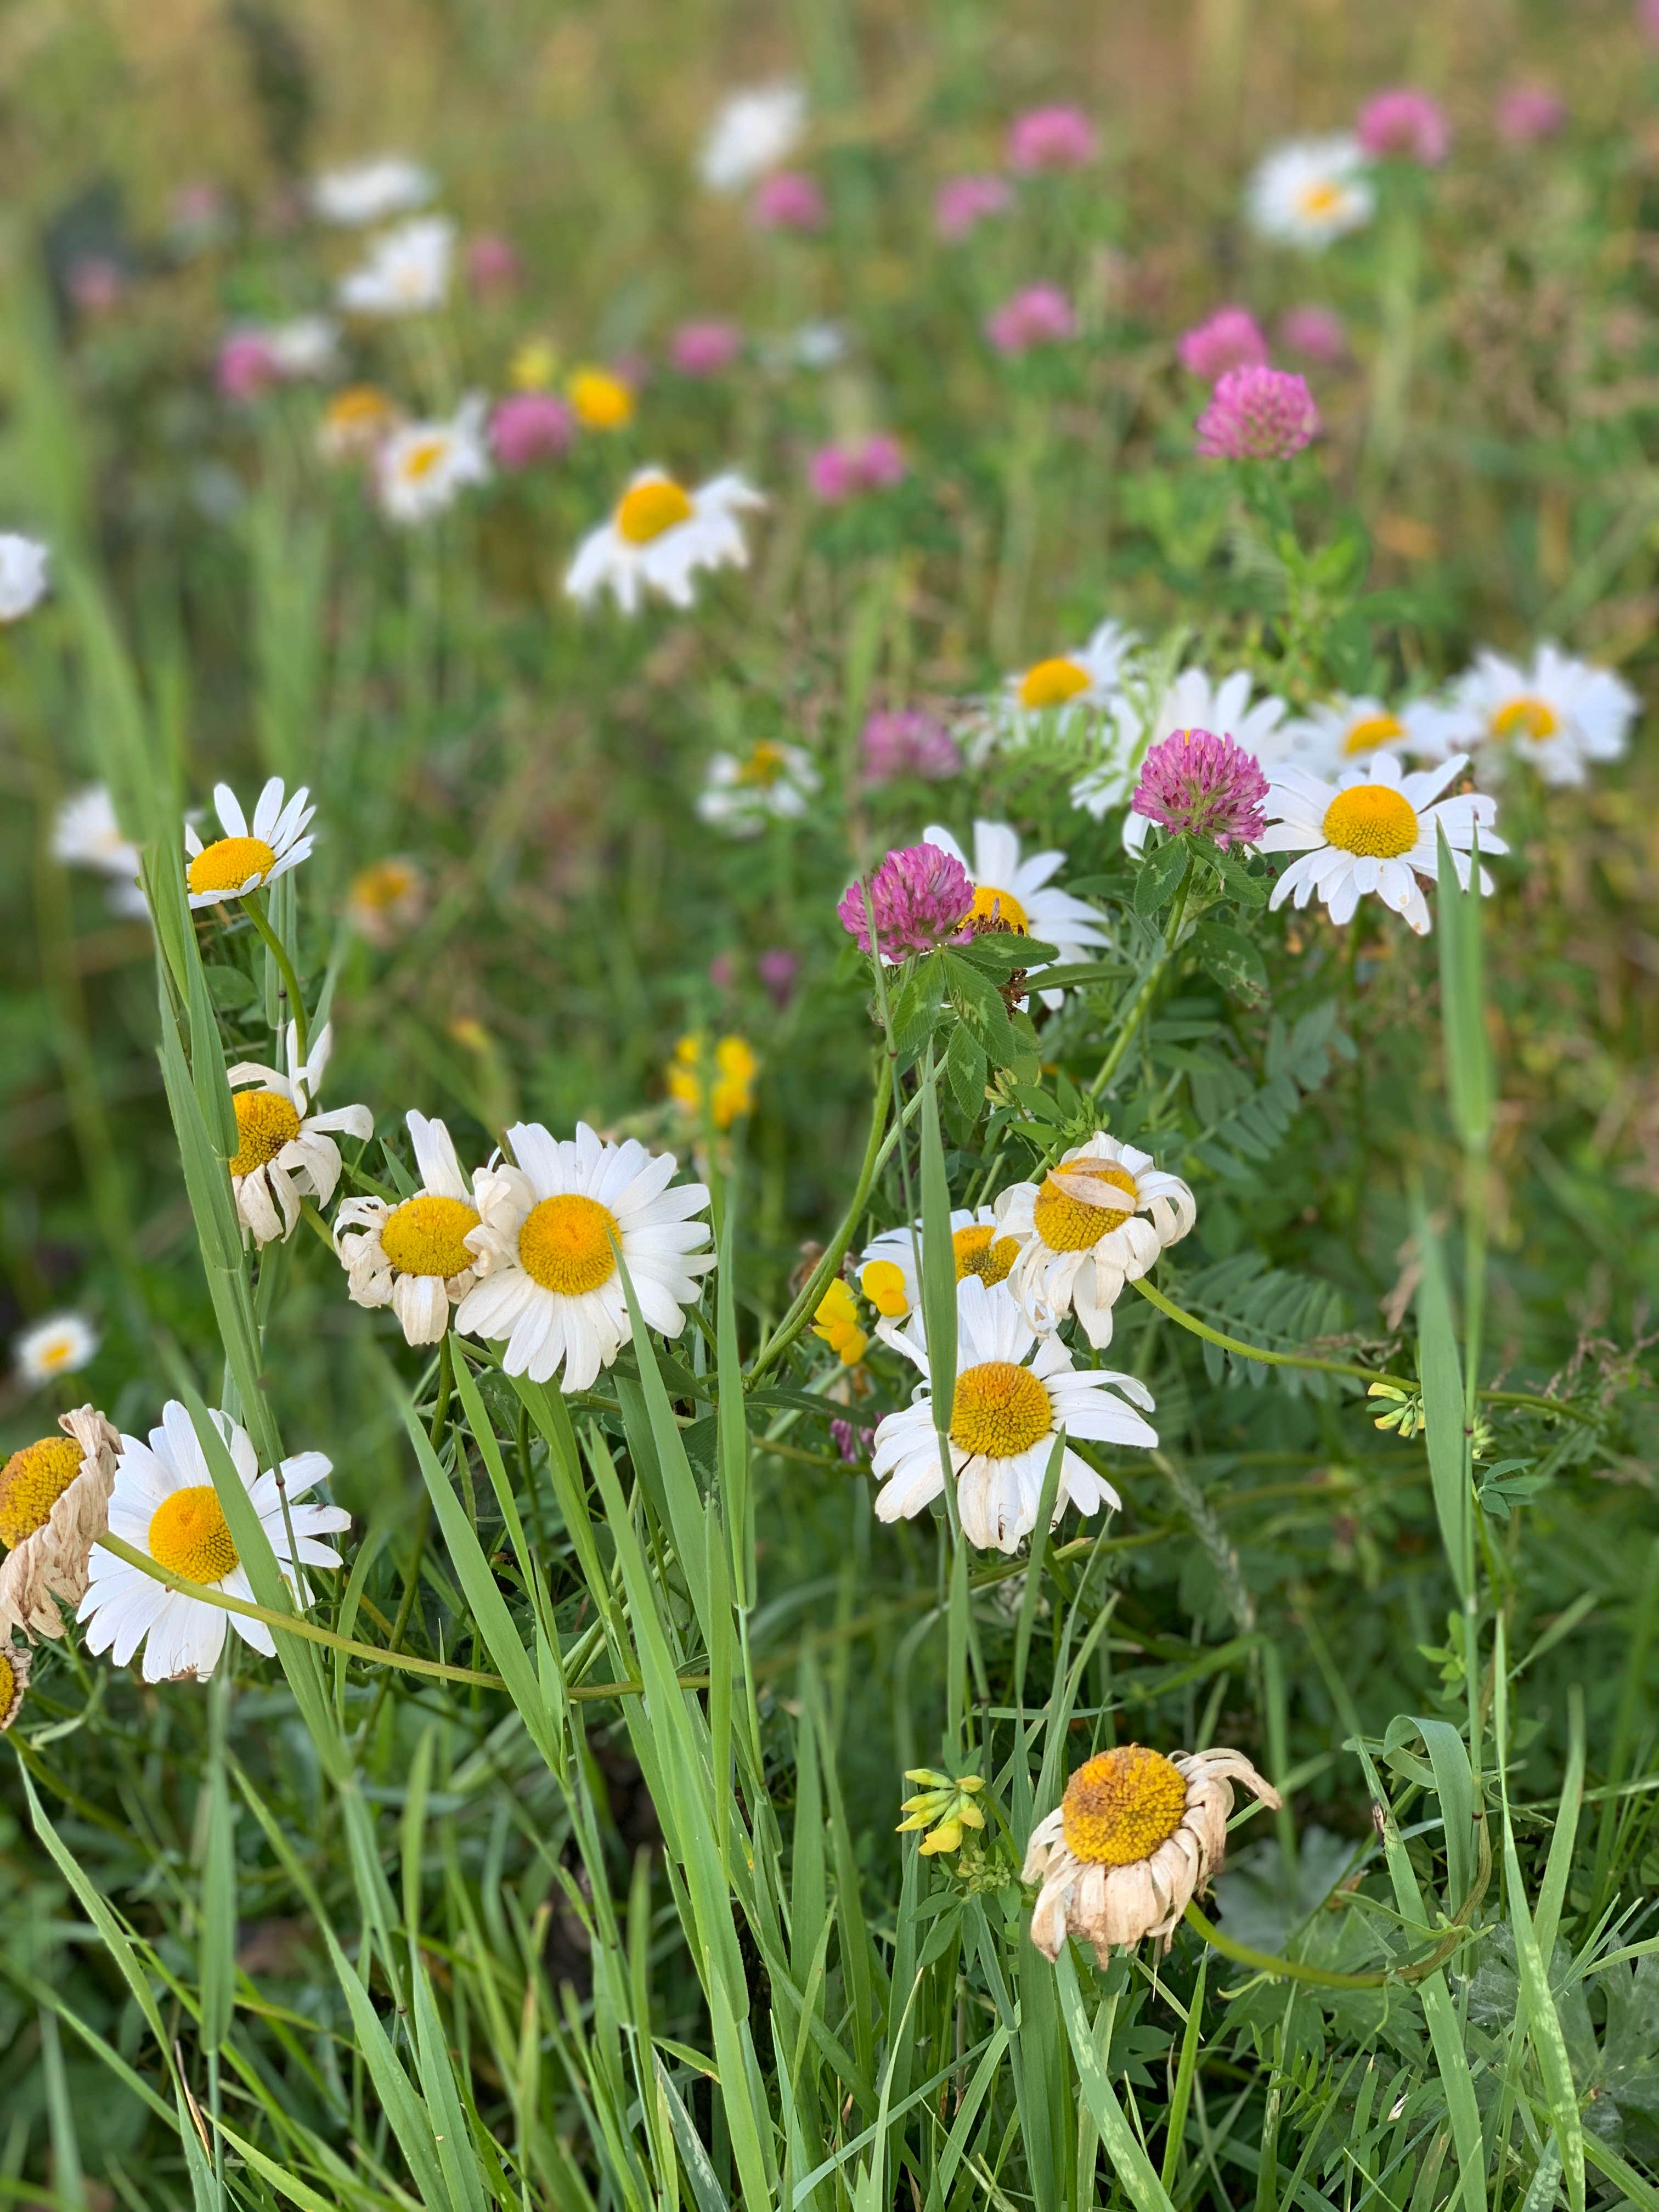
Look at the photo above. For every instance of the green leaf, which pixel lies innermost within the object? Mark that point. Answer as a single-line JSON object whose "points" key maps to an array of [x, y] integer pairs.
{"points": [[938, 1261], [1160, 877], [1130, 2162], [1469, 1054], [1228, 956], [966, 1069], [1442, 1373]]}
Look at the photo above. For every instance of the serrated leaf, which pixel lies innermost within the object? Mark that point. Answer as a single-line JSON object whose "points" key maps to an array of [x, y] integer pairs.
{"points": [[1160, 877], [1228, 956], [965, 1069]]}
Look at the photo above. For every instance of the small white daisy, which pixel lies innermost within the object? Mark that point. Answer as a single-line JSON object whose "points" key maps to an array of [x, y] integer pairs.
{"points": [[412, 1255], [1012, 1394], [754, 131], [1557, 713], [61, 1345], [23, 575], [164, 1503], [660, 535], [772, 783], [369, 191], [1135, 722], [1342, 731], [420, 468], [551, 1288], [887, 1267], [1083, 679], [246, 858], [284, 1152], [86, 835], [1018, 895], [54, 1504], [1373, 830], [1098, 1220], [1310, 192], [406, 271], [308, 346]]}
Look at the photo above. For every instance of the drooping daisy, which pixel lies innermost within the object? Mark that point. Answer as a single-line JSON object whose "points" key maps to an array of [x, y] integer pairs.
{"points": [[284, 1152], [754, 131], [246, 858], [1373, 830], [1330, 737], [1098, 1220], [165, 1505], [1193, 701], [1557, 713], [86, 835], [1013, 1392], [23, 575], [369, 191], [15, 1661], [1018, 895], [887, 1265], [660, 535], [1310, 192], [412, 1257], [550, 1288], [54, 1503], [420, 469], [406, 271], [1083, 680], [772, 783], [1134, 1839], [61, 1345]]}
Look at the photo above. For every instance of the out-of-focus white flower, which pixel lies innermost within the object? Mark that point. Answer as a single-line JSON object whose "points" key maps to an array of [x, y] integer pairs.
{"points": [[753, 131], [420, 468], [1347, 730], [23, 574], [370, 191], [307, 346], [61, 1345], [1310, 192], [1374, 831], [772, 783], [86, 835], [284, 1151], [406, 271], [658, 537], [1556, 712]]}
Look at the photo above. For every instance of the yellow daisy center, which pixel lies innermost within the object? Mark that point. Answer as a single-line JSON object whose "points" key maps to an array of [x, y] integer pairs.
{"points": [[650, 509], [999, 1410], [30, 1483], [1320, 199], [1371, 731], [980, 1251], [7, 1686], [421, 457], [230, 862], [1000, 909], [1120, 1806], [383, 884], [1070, 1224], [64, 1351], [602, 402], [423, 1235], [1052, 683], [1373, 819], [1525, 718], [265, 1121], [764, 766], [188, 1537], [882, 1282], [359, 407], [565, 1244]]}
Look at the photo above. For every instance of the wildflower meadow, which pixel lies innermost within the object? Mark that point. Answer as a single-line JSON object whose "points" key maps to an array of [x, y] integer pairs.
{"points": [[829, 1203]]}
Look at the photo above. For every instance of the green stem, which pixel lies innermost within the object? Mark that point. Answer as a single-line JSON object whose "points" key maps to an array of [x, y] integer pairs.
{"points": [[1150, 981], [253, 907], [1326, 1977]]}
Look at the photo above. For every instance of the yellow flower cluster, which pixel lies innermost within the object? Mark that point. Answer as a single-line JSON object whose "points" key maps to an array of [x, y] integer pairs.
{"points": [[732, 1093], [837, 1321]]}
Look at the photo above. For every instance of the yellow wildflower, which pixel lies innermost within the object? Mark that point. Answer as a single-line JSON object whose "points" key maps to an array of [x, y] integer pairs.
{"points": [[732, 1094], [837, 1321], [944, 1807], [602, 402]]}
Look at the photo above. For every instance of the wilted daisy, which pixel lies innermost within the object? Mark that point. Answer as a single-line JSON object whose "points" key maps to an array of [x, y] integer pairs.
{"points": [[1310, 192], [386, 899], [246, 858], [165, 1505], [355, 420], [658, 538], [1098, 1220], [1557, 713], [54, 1502], [15, 1661], [23, 574], [412, 1255], [753, 131], [284, 1151], [86, 835], [1134, 1838], [1373, 830], [1332, 737], [1081, 681], [369, 191], [420, 469], [730, 1096], [1193, 701], [550, 1288], [406, 271], [1012, 1394], [771, 783], [60, 1345], [1019, 896], [887, 1267]]}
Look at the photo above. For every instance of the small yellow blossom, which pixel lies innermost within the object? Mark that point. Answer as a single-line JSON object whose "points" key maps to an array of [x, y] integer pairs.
{"points": [[386, 899], [602, 402], [534, 365], [735, 1067], [944, 1807], [837, 1321], [1404, 1413]]}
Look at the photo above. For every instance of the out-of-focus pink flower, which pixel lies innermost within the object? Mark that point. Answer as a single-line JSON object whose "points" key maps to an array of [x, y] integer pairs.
{"points": [[704, 348], [96, 284], [851, 1443], [723, 971], [1647, 18], [1257, 415], [195, 204], [777, 969], [1051, 138], [1317, 333], [907, 741], [1527, 112], [1040, 315], [921, 896], [492, 264], [1230, 338], [837, 473], [962, 203], [1406, 124], [530, 425], [1196, 781], [789, 200], [246, 365]]}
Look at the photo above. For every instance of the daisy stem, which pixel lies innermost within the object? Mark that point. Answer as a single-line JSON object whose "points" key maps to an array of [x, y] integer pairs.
{"points": [[1142, 998], [253, 907]]}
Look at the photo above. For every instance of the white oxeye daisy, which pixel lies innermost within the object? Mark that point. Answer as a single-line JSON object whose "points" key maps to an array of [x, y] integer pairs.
{"points": [[284, 1152], [406, 271], [660, 535], [1310, 192], [1558, 714], [60, 1345], [246, 858], [1374, 831], [1098, 1220], [165, 1505], [421, 467], [551, 1288], [887, 1267], [1136, 721], [23, 575], [369, 191], [1133, 1839], [412, 1255], [1013, 1392], [54, 1503], [86, 835], [1346, 730], [770, 782], [1015, 894], [753, 132], [306, 346], [1082, 680]]}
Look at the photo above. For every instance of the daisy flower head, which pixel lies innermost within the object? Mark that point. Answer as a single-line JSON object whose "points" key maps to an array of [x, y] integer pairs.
{"points": [[387, 899], [285, 1151], [87, 835], [1097, 1220], [1310, 192], [1138, 720], [731, 1094], [1082, 681], [1375, 830], [549, 1287], [772, 783], [1557, 713], [355, 421], [413, 1255], [420, 469], [921, 899], [62, 1343], [659, 536], [23, 577], [754, 130], [887, 1267], [1135, 1837], [1197, 783], [54, 1506], [1020, 896], [165, 1505], [1013, 1393], [248, 856], [1258, 414], [370, 191], [307, 346], [1230, 338], [1404, 125], [1331, 737], [405, 272], [15, 1662]]}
